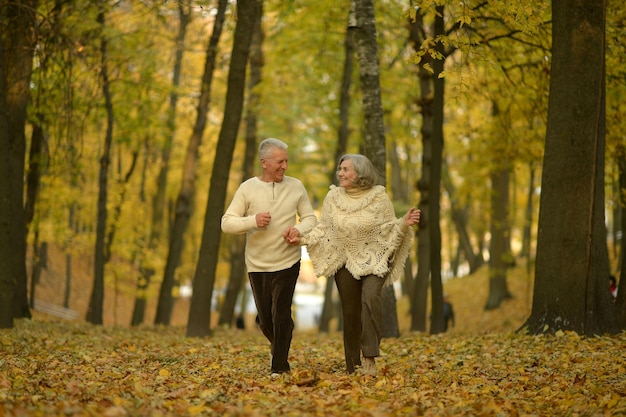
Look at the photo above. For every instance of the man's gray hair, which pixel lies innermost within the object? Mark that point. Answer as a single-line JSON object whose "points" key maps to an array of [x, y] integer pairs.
{"points": [[266, 146]]}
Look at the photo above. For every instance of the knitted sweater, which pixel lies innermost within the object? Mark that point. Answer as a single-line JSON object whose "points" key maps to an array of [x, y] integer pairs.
{"points": [[359, 230], [266, 249]]}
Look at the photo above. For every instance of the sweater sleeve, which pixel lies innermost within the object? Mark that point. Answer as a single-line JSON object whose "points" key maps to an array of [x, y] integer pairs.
{"points": [[236, 219], [307, 218]]}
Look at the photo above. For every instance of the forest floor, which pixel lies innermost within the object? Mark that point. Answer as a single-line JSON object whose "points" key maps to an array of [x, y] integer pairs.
{"points": [[481, 367]]}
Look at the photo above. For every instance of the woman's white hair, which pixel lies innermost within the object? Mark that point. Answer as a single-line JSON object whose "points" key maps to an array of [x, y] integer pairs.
{"points": [[366, 175]]}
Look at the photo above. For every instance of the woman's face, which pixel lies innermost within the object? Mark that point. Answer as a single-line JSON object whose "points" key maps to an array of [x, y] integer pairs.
{"points": [[346, 174]]}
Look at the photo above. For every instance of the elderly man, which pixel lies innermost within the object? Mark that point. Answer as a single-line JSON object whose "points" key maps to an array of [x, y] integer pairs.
{"points": [[265, 208]]}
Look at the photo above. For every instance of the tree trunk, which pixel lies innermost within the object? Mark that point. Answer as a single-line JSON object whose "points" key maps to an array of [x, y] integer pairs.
{"points": [[184, 202], [459, 217], [343, 133], [237, 253], [199, 323], [570, 291], [620, 302], [369, 77], [499, 249], [374, 129], [17, 43], [96, 302], [437, 324], [398, 183], [72, 225], [117, 209], [158, 203], [33, 181], [528, 219], [419, 297], [498, 289]]}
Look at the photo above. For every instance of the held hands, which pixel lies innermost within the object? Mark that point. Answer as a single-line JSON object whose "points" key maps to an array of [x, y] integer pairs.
{"points": [[412, 217], [292, 236], [263, 219]]}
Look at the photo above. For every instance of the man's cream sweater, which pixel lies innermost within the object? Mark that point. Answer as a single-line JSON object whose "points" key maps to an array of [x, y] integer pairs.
{"points": [[266, 249]]}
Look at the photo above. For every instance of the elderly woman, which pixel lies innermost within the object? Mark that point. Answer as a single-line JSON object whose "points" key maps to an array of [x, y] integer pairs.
{"points": [[360, 242]]}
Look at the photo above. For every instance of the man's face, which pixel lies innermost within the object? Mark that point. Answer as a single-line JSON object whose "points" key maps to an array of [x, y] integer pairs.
{"points": [[275, 165]]}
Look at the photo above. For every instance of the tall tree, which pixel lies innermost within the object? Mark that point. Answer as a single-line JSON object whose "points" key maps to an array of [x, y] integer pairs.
{"points": [[374, 129], [238, 242], [96, 302], [158, 203], [199, 322], [17, 48], [343, 133], [419, 296], [184, 201], [437, 324], [620, 302], [459, 215], [499, 258], [430, 185], [570, 291]]}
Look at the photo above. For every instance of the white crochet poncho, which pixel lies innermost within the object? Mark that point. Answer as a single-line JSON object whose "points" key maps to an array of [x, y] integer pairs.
{"points": [[359, 230]]}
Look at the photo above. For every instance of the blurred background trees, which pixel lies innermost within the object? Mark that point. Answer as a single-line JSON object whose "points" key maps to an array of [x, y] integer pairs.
{"points": [[118, 88]]}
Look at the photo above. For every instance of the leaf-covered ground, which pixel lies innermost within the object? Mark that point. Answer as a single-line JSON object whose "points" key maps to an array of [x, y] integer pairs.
{"points": [[75, 369]]}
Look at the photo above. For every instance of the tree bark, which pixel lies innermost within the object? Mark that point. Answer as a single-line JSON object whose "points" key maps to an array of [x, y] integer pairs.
{"points": [[146, 271], [17, 43], [374, 129], [498, 289], [96, 302], [459, 217], [184, 201], [237, 253], [437, 324], [343, 133], [528, 218], [199, 323], [419, 297], [570, 291], [620, 302]]}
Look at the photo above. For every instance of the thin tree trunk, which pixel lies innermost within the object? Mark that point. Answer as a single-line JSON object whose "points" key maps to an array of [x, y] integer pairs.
{"points": [[437, 324], [96, 302], [620, 302], [184, 202], [117, 210], [374, 129], [528, 216], [343, 133], [158, 202], [72, 225], [199, 323], [398, 183], [38, 251], [419, 296], [237, 253], [33, 181], [498, 289], [459, 217]]}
